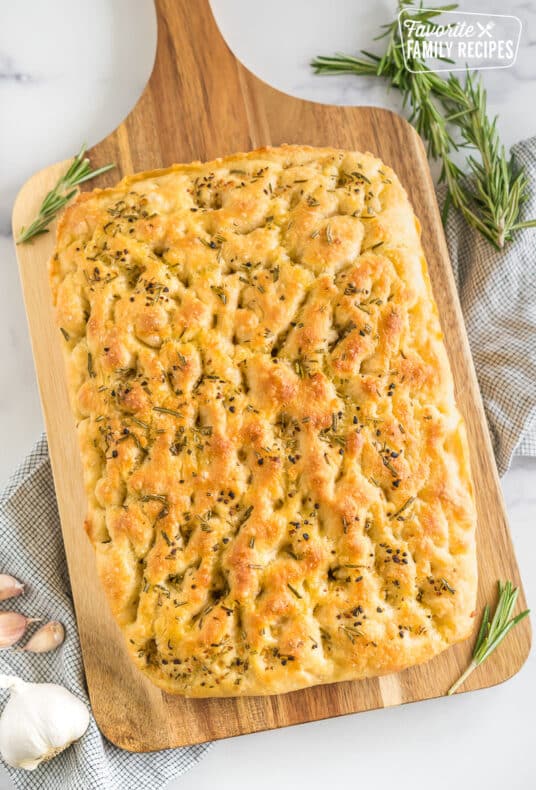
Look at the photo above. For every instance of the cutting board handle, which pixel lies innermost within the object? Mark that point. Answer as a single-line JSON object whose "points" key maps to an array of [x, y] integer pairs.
{"points": [[195, 84], [201, 103]]}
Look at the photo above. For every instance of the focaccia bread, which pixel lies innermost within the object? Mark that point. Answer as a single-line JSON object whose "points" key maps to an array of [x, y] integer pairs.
{"points": [[278, 484]]}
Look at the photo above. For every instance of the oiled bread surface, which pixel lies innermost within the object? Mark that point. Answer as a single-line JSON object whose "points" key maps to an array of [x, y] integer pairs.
{"points": [[277, 475]]}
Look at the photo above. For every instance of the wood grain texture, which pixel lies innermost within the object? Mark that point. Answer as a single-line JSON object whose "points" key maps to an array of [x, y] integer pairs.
{"points": [[201, 103]]}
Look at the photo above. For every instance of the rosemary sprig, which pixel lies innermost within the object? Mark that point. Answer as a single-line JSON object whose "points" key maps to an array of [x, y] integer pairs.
{"points": [[490, 201], [58, 197], [492, 633]]}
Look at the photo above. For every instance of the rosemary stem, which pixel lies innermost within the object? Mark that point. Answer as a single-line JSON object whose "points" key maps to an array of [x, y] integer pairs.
{"points": [[492, 631], [450, 114], [65, 189], [461, 680]]}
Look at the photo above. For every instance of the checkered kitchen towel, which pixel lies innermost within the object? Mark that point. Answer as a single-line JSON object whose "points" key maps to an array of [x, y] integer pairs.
{"points": [[498, 296], [31, 549]]}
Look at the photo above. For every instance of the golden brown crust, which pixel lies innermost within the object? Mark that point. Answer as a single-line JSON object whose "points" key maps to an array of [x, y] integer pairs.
{"points": [[277, 474]]}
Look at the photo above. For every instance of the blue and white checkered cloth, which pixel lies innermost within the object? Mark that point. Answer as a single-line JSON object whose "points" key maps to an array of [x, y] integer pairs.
{"points": [[498, 297]]}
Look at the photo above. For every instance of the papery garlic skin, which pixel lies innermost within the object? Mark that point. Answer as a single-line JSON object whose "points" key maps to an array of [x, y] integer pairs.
{"points": [[48, 637], [12, 627], [9, 587], [38, 722]]}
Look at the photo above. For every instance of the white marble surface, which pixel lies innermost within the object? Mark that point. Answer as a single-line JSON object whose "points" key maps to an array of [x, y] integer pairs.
{"points": [[70, 71]]}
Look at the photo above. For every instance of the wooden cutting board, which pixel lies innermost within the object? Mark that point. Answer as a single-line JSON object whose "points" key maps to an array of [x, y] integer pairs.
{"points": [[201, 103]]}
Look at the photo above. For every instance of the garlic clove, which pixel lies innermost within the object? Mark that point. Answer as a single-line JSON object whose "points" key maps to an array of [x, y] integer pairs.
{"points": [[38, 722], [12, 627], [9, 587], [48, 637]]}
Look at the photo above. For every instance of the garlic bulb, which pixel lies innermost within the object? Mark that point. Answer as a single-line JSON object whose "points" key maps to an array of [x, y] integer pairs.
{"points": [[12, 627], [9, 587], [46, 638], [39, 721]]}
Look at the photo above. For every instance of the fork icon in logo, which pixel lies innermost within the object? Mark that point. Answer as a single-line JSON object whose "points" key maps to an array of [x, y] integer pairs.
{"points": [[485, 29]]}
